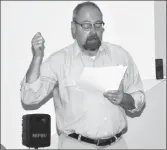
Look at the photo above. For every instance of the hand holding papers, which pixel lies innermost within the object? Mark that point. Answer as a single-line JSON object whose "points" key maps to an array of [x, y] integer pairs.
{"points": [[102, 78]]}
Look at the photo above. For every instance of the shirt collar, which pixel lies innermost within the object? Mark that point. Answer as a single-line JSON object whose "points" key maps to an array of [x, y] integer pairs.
{"points": [[78, 50]]}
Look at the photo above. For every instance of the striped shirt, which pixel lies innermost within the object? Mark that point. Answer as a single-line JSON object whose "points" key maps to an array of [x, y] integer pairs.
{"points": [[79, 110]]}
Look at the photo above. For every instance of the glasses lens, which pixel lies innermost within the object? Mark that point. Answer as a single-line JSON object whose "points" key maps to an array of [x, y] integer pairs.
{"points": [[86, 26], [98, 25]]}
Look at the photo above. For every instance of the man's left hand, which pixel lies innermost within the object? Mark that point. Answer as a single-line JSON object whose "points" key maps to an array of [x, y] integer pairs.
{"points": [[114, 96]]}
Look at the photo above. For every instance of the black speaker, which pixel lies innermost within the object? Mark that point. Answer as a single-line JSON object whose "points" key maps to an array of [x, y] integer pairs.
{"points": [[36, 130], [159, 68]]}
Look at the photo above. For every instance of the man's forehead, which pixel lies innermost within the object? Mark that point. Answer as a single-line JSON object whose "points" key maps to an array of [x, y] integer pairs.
{"points": [[89, 13]]}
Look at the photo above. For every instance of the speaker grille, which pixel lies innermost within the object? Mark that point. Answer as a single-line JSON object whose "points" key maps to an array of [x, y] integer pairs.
{"points": [[36, 130]]}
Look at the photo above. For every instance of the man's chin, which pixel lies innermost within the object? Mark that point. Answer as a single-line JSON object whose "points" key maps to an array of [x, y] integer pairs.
{"points": [[92, 49], [92, 46]]}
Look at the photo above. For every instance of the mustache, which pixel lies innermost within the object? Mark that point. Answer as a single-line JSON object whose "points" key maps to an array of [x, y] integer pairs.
{"points": [[93, 37]]}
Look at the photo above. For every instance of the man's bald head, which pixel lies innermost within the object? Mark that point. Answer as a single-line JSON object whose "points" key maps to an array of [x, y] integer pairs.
{"points": [[85, 16], [84, 5]]}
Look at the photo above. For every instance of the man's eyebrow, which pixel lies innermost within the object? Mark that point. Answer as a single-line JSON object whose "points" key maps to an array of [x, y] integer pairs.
{"points": [[98, 21], [86, 21]]}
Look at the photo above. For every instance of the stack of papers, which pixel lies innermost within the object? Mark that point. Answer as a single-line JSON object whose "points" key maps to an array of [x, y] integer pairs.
{"points": [[102, 78]]}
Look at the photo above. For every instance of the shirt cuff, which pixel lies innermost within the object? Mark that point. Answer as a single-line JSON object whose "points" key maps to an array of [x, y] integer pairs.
{"points": [[34, 86], [139, 99]]}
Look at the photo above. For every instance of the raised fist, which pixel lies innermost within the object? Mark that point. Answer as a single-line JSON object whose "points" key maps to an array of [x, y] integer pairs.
{"points": [[38, 45]]}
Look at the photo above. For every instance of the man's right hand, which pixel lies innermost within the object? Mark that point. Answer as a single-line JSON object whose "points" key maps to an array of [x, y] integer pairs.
{"points": [[38, 45], [38, 52]]}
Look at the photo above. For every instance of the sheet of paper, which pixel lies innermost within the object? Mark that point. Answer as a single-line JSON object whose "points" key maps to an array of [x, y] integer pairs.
{"points": [[103, 78]]}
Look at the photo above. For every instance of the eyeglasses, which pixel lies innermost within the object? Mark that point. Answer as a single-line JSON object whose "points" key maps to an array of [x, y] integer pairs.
{"points": [[88, 26]]}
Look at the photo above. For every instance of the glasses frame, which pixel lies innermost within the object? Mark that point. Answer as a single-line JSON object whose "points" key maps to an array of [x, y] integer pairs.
{"points": [[93, 25]]}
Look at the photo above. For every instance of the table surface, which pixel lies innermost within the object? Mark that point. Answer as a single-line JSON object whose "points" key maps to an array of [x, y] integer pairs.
{"points": [[149, 130]]}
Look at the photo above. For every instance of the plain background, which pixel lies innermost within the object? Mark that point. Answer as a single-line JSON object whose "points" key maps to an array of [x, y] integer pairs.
{"points": [[160, 31], [130, 24]]}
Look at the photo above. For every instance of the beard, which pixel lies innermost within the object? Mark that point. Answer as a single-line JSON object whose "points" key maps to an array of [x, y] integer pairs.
{"points": [[92, 43]]}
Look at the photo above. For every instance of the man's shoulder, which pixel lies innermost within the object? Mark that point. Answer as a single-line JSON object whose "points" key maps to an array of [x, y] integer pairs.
{"points": [[115, 49], [60, 55], [62, 52]]}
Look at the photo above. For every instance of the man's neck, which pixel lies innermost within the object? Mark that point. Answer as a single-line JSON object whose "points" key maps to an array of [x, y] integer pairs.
{"points": [[90, 53]]}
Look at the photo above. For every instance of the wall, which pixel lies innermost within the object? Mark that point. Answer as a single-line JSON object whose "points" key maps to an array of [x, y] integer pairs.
{"points": [[129, 24], [160, 31]]}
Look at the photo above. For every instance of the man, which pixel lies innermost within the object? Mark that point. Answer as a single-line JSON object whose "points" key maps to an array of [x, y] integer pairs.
{"points": [[85, 119]]}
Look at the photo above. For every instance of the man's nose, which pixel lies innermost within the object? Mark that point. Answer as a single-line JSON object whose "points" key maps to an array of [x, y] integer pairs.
{"points": [[93, 30]]}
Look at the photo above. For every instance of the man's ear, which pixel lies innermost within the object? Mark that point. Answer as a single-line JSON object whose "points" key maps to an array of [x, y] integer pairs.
{"points": [[103, 30], [73, 29]]}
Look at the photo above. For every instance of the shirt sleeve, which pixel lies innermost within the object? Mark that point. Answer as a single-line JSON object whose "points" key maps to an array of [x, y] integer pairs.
{"points": [[133, 84], [33, 93]]}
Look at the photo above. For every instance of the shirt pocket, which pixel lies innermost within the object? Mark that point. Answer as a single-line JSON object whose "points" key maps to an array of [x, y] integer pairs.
{"points": [[75, 96], [69, 88]]}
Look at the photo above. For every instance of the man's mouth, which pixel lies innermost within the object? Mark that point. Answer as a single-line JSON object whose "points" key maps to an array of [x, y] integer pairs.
{"points": [[92, 43], [93, 40]]}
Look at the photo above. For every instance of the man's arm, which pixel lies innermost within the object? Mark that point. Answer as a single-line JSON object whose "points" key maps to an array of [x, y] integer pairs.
{"points": [[130, 94], [118, 97], [33, 72], [127, 102], [38, 53], [39, 80]]}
